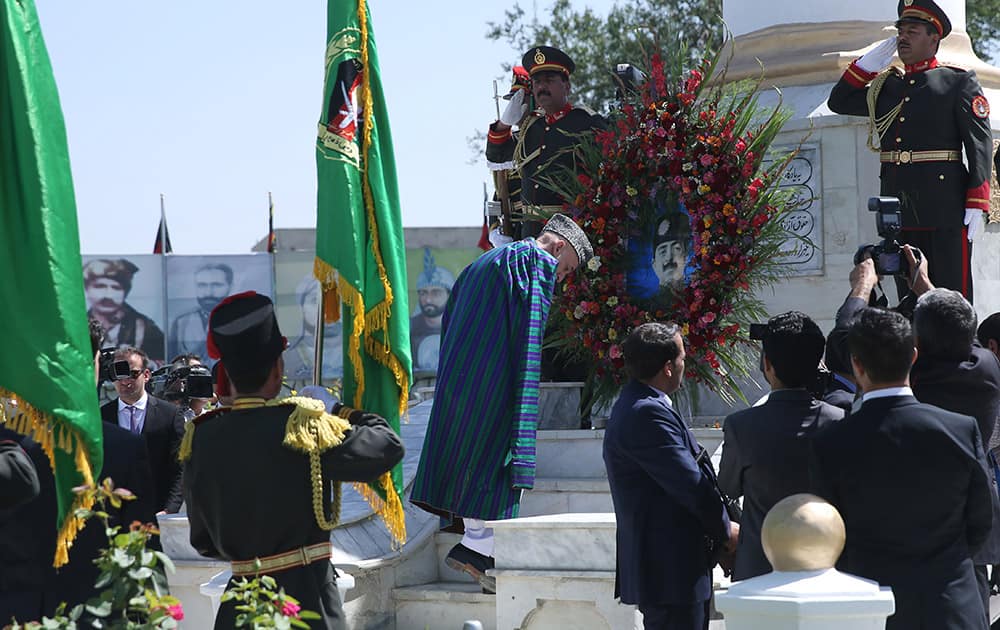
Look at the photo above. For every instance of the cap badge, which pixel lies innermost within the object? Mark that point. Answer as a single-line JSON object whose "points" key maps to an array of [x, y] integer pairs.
{"points": [[540, 56], [908, 3]]}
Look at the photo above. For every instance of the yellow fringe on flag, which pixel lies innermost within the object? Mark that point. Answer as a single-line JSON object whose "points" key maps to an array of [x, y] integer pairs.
{"points": [[390, 510], [327, 277], [381, 353], [43, 429]]}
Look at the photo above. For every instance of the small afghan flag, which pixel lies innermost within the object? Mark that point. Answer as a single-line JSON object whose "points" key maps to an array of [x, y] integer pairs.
{"points": [[162, 243], [46, 366], [360, 255], [272, 239]]}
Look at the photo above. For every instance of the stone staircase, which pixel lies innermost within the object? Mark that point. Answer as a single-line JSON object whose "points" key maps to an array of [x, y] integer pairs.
{"points": [[411, 588], [570, 479]]}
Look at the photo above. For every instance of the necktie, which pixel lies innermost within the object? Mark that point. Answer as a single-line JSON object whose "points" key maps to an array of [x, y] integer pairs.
{"points": [[133, 422]]}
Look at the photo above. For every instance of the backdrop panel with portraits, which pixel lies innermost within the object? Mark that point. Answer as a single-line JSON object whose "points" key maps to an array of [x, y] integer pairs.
{"points": [[125, 294], [432, 272], [196, 284], [297, 303]]}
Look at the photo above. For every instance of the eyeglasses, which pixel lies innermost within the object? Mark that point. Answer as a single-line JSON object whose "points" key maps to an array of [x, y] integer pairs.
{"points": [[135, 373]]}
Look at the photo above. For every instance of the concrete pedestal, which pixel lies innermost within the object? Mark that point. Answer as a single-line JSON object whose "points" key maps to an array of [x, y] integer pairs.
{"points": [[806, 600], [558, 571]]}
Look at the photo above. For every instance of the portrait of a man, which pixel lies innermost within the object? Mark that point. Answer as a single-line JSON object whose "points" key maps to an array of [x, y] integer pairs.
{"points": [[433, 290], [212, 282], [106, 285], [671, 246], [301, 352]]}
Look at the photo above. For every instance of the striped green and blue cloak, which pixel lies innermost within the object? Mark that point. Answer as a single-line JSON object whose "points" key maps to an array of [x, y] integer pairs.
{"points": [[479, 449]]}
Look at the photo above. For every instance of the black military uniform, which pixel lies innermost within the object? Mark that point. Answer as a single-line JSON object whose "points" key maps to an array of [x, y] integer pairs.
{"points": [[544, 142], [248, 478], [930, 113]]}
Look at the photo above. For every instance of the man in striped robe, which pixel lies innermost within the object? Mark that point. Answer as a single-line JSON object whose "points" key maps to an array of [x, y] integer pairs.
{"points": [[479, 450]]}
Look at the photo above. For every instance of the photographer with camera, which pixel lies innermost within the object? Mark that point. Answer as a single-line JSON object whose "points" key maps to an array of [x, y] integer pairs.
{"points": [[765, 448], [186, 383], [952, 371]]}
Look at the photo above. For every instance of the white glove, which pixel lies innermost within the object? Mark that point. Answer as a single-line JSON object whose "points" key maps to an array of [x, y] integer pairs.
{"points": [[515, 109], [497, 239], [878, 59], [974, 219]]}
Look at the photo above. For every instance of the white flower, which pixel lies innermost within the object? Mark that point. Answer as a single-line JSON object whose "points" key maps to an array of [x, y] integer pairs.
{"points": [[594, 263]]}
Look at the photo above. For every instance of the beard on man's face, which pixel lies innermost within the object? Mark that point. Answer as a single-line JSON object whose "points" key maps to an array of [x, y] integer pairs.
{"points": [[431, 310], [208, 303]]}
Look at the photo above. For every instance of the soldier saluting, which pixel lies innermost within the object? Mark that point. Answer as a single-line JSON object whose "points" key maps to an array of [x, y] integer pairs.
{"points": [[546, 136], [258, 476], [924, 116]]}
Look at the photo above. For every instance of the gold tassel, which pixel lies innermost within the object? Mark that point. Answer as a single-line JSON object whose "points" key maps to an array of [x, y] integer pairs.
{"points": [[309, 427], [327, 277], [187, 442], [42, 429]]}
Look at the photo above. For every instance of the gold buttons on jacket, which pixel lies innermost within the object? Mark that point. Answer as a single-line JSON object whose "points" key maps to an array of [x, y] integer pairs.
{"points": [[906, 98], [912, 81], [941, 177], [902, 119]]}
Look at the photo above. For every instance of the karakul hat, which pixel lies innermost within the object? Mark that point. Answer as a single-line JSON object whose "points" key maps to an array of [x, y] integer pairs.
{"points": [[243, 329], [120, 270], [568, 229], [923, 11]]}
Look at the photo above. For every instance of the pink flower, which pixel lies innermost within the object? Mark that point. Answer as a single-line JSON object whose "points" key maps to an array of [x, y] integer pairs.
{"points": [[176, 611], [615, 352], [290, 609]]}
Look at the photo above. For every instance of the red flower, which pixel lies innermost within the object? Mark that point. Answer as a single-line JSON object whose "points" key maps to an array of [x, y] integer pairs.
{"points": [[176, 611], [290, 609]]}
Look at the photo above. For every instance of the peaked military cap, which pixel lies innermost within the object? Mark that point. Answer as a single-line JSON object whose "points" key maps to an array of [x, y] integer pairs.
{"points": [[925, 11], [244, 329], [568, 229], [547, 59]]}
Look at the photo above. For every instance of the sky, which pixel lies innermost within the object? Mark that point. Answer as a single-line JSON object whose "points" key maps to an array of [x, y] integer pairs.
{"points": [[214, 104]]}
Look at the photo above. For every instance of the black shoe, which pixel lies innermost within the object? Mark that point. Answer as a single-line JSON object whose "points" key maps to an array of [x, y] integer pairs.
{"points": [[461, 558]]}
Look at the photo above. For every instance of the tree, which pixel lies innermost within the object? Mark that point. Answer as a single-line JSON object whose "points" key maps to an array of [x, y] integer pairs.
{"points": [[631, 32], [982, 21]]}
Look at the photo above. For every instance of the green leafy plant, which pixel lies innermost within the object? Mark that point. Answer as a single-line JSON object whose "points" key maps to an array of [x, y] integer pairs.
{"points": [[133, 587], [261, 604]]}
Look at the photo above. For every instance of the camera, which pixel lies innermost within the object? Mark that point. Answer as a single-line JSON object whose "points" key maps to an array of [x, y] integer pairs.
{"points": [[887, 256], [110, 370], [179, 384], [628, 78]]}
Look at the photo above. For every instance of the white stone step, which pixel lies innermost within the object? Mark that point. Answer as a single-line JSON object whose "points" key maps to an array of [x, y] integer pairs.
{"points": [[580, 453], [443, 606], [562, 495], [444, 541]]}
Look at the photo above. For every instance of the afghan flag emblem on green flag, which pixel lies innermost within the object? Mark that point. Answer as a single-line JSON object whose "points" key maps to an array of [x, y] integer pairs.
{"points": [[360, 256], [46, 367]]}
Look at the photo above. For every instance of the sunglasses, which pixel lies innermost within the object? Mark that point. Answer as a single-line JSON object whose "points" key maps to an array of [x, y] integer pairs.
{"points": [[135, 373]]}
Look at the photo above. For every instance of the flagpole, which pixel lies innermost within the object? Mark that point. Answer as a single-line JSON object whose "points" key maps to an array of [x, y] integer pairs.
{"points": [[318, 342], [163, 226]]}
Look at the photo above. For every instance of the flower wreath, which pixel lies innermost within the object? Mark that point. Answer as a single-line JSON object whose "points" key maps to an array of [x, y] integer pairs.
{"points": [[696, 145]]}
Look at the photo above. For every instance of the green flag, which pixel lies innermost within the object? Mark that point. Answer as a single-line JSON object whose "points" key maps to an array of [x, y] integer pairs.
{"points": [[46, 367], [360, 256]]}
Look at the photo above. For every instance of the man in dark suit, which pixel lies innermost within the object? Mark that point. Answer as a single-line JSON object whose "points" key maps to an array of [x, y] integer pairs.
{"points": [[666, 507], [953, 372], [159, 422], [766, 448], [910, 481]]}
